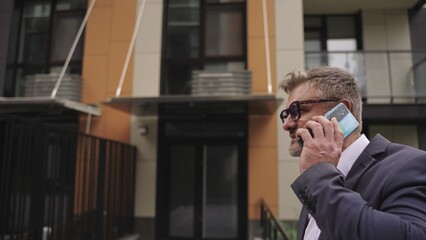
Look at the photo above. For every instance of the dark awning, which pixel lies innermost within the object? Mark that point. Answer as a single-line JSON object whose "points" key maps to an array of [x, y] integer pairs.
{"points": [[45, 105]]}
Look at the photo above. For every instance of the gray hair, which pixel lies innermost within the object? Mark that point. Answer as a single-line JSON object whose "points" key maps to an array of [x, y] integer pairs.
{"points": [[330, 82]]}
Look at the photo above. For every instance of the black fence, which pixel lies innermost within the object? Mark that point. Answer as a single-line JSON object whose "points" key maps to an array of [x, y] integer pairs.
{"points": [[271, 228], [56, 183]]}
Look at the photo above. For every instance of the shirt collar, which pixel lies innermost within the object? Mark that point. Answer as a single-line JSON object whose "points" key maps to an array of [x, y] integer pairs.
{"points": [[351, 153]]}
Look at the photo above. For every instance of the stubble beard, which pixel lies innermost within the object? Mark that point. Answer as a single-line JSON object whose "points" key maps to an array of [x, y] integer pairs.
{"points": [[294, 149]]}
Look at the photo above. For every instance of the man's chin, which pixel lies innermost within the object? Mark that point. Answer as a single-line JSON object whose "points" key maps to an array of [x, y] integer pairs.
{"points": [[295, 150]]}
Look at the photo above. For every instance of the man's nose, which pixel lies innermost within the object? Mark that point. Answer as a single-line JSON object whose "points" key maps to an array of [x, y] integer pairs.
{"points": [[288, 124]]}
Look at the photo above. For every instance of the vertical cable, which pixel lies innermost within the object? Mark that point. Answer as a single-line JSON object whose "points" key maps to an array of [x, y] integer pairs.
{"points": [[266, 32], [130, 50], [71, 52], [89, 120]]}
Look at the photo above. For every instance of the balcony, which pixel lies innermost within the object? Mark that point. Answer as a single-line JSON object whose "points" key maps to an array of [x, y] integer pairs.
{"points": [[392, 83], [383, 76]]}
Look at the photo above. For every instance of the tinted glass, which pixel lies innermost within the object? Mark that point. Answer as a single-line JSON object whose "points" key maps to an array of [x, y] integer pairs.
{"points": [[181, 215], [224, 33], [183, 29], [224, 1], [178, 77], [63, 5], [34, 33], [64, 33], [340, 27], [220, 182], [183, 42]]}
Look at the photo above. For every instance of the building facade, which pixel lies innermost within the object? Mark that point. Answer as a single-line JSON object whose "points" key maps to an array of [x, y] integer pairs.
{"points": [[206, 159]]}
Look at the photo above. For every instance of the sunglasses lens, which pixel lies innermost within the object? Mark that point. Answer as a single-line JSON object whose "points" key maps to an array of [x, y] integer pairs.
{"points": [[284, 114], [294, 111]]}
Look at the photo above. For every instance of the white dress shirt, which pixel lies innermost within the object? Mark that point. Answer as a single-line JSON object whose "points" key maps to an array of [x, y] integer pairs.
{"points": [[347, 159]]}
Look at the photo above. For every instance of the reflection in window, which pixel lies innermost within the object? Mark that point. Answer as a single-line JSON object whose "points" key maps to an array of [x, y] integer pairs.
{"points": [[224, 32], [64, 33], [201, 35], [333, 40], [181, 218], [43, 41], [220, 195]]}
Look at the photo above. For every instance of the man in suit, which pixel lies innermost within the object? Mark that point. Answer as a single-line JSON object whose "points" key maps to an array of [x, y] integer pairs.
{"points": [[350, 188]]}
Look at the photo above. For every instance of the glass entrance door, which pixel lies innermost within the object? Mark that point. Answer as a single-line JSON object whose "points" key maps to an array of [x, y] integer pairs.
{"points": [[204, 197]]}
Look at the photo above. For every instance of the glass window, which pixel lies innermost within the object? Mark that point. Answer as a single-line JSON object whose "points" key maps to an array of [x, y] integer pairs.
{"points": [[177, 78], [183, 42], [184, 12], [223, 1], [340, 27], [310, 21], [312, 41], [64, 33], [63, 5], [201, 35], [34, 33], [205, 128], [332, 40], [183, 29], [181, 218], [42, 42], [224, 33], [221, 191], [330, 33]]}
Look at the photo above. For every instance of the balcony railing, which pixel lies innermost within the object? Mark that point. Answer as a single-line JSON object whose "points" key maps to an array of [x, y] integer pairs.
{"points": [[383, 76]]}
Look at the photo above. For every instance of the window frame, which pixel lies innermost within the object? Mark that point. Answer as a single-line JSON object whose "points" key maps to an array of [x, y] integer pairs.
{"points": [[15, 64], [322, 29], [199, 62]]}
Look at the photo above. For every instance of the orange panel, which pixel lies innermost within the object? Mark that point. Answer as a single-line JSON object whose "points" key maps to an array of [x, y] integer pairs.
{"points": [[255, 18], [96, 126], [117, 124], [98, 31], [107, 40], [94, 78], [263, 177], [116, 63], [263, 131], [123, 20], [257, 64]]}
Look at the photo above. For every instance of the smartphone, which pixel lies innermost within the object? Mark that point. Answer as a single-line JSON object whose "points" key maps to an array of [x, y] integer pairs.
{"points": [[347, 121]]}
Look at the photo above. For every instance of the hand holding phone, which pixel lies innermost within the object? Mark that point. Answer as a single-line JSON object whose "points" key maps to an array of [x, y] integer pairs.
{"points": [[344, 117]]}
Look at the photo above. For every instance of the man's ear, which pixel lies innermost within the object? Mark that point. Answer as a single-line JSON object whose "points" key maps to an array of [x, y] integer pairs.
{"points": [[347, 103]]}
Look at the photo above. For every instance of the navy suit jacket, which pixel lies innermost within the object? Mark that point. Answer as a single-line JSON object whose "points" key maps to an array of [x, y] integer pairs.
{"points": [[382, 197]]}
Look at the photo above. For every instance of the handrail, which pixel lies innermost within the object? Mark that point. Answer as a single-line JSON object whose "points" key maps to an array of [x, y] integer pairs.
{"points": [[271, 228]]}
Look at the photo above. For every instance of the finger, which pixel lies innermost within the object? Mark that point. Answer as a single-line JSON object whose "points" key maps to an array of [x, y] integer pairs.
{"points": [[304, 134], [316, 127], [327, 126]]}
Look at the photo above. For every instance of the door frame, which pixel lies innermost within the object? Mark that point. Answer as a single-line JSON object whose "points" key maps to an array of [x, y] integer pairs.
{"points": [[163, 177]]}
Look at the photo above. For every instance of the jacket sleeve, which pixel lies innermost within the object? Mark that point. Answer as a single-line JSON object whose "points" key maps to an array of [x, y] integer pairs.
{"points": [[341, 213]]}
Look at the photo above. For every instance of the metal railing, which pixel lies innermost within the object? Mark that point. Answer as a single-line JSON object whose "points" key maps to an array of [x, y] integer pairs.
{"points": [[383, 76], [271, 228], [58, 184]]}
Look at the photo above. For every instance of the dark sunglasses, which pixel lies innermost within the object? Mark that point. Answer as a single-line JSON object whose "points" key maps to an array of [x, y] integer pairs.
{"points": [[294, 109]]}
